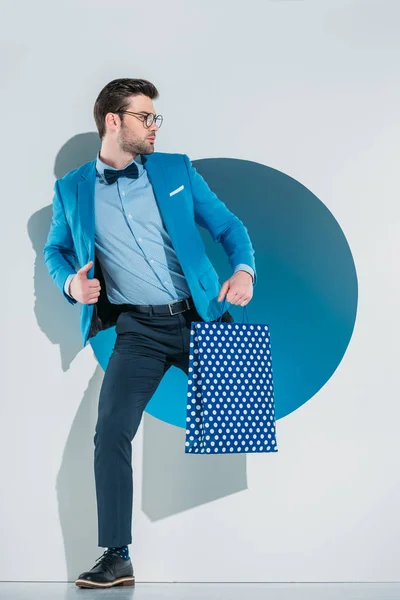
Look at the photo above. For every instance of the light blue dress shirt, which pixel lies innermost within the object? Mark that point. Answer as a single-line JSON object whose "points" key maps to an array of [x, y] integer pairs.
{"points": [[134, 249]]}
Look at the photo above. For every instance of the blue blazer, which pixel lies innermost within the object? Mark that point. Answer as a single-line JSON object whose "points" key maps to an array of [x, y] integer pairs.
{"points": [[71, 239]]}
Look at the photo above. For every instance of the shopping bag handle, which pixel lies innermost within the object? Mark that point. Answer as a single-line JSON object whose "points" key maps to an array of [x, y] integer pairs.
{"points": [[223, 310]]}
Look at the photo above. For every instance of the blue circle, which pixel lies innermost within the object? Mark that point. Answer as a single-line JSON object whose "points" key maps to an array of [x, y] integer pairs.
{"points": [[306, 288]]}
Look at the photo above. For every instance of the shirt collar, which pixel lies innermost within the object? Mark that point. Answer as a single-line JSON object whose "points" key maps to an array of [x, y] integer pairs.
{"points": [[100, 165]]}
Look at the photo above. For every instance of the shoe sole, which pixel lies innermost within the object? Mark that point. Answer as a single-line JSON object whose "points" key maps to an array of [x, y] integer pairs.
{"points": [[93, 584]]}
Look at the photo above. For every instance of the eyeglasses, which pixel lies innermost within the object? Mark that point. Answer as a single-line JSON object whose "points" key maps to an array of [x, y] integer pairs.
{"points": [[147, 119]]}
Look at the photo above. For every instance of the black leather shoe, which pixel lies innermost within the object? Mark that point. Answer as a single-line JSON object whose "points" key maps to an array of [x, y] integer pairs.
{"points": [[110, 569]]}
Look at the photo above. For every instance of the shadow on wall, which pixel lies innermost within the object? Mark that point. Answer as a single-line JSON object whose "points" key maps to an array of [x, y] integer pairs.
{"points": [[58, 319], [172, 480], [76, 493]]}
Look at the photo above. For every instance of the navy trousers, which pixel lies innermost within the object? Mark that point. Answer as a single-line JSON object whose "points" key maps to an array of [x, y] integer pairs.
{"points": [[147, 345]]}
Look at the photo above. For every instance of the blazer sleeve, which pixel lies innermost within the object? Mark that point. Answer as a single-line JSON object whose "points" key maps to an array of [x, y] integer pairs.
{"points": [[59, 253], [224, 226]]}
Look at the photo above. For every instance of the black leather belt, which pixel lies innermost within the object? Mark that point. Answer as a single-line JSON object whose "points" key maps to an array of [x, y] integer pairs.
{"points": [[173, 308]]}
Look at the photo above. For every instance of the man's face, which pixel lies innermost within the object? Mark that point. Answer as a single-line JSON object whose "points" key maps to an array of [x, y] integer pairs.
{"points": [[133, 136]]}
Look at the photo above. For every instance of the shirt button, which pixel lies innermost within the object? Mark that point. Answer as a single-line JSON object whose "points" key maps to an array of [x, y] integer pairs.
{"points": [[152, 261], [140, 240], [166, 282], [130, 216], [123, 193]]}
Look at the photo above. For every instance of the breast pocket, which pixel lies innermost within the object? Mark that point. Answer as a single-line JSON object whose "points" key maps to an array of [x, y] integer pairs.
{"points": [[177, 190]]}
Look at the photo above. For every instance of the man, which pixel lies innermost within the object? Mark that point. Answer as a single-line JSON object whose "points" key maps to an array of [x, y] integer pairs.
{"points": [[124, 243]]}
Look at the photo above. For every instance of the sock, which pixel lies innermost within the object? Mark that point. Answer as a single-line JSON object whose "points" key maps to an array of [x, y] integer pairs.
{"points": [[122, 551]]}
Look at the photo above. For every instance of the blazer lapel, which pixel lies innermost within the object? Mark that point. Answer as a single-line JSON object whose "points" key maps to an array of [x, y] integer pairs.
{"points": [[86, 188], [157, 178]]}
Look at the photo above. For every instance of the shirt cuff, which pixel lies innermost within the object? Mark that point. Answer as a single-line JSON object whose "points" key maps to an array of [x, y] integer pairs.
{"points": [[66, 284], [246, 268]]}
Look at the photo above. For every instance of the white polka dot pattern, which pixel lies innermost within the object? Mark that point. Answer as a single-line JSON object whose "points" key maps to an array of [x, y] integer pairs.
{"points": [[230, 398]]}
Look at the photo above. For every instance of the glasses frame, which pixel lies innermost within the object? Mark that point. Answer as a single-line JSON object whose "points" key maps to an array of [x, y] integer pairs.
{"points": [[142, 117]]}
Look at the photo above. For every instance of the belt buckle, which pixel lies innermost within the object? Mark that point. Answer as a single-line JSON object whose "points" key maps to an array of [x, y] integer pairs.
{"points": [[179, 311]]}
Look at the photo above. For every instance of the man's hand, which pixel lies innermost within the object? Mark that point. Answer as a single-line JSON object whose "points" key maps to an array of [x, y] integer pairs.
{"points": [[238, 289], [84, 290]]}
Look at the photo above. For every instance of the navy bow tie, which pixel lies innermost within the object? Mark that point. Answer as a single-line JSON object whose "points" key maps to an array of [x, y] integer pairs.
{"points": [[111, 175]]}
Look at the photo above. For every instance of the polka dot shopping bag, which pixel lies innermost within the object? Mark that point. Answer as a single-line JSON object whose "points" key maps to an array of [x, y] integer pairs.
{"points": [[230, 398]]}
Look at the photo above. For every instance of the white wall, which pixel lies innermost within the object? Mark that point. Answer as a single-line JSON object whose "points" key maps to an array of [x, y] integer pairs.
{"points": [[324, 75]]}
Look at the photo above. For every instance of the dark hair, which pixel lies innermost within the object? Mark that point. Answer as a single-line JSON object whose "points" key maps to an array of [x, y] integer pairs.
{"points": [[115, 96]]}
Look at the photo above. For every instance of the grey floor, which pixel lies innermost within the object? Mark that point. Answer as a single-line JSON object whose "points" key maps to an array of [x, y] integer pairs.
{"points": [[206, 591]]}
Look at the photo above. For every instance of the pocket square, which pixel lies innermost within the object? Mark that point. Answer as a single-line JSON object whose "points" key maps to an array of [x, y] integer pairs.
{"points": [[179, 189]]}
